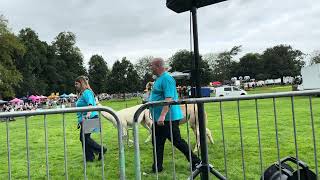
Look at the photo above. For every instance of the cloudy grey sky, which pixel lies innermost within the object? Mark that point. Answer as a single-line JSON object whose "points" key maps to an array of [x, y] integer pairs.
{"points": [[136, 28]]}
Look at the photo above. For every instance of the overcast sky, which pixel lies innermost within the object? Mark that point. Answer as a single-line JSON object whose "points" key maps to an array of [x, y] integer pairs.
{"points": [[137, 28]]}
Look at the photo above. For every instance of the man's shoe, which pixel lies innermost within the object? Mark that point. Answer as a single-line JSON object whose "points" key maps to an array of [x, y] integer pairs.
{"points": [[194, 165], [104, 151], [160, 169]]}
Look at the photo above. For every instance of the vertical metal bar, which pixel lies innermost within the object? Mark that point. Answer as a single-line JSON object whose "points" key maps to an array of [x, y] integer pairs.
{"points": [[189, 145], [84, 151], [122, 164], [46, 144], [203, 142], [8, 148], [172, 146], [277, 136], [259, 139], [196, 76], [137, 151], [295, 134], [65, 148], [27, 145], [313, 137], [241, 141], [223, 141], [155, 143], [101, 142]]}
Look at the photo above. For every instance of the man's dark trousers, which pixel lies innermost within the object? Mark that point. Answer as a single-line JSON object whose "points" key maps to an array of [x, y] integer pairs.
{"points": [[162, 133]]}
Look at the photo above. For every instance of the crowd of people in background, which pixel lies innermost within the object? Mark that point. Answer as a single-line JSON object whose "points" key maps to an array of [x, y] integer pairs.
{"points": [[19, 107], [32, 106]]}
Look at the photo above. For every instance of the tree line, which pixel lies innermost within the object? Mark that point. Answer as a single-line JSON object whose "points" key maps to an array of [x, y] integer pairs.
{"points": [[29, 65]]}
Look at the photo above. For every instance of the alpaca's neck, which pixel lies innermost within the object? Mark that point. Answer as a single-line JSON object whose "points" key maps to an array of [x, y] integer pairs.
{"points": [[110, 118]]}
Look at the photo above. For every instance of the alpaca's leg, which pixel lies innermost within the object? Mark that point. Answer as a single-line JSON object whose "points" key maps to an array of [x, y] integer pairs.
{"points": [[125, 133], [209, 135], [196, 133], [147, 123], [208, 132], [148, 127], [148, 138]]}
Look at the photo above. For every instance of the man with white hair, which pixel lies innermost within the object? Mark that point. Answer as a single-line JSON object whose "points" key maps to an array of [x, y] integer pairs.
{"points": [[164, 88]]}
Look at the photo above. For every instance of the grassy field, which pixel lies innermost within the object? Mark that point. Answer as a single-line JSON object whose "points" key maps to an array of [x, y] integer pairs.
{"points": [[216, 150]]}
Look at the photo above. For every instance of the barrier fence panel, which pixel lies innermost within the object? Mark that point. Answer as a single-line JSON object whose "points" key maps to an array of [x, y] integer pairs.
{"points": [[252, 133], [17, 168], [259, 138]]}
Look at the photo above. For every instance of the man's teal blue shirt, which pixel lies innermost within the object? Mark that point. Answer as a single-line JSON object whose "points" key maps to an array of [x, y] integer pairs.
{"points": [[165, 87]]}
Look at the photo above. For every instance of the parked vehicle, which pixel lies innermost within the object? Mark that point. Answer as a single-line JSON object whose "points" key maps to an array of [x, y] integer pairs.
{"points": [[310, 77], [229, 91], [269, 82], [260, 83], [277, 81]]}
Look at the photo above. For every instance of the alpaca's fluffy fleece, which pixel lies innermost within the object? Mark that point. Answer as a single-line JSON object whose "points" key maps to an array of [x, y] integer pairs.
{"points": [[126, 118]]}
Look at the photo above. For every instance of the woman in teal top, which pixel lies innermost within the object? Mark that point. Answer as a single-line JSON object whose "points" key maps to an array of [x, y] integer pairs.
{"points": [[86, 98]]}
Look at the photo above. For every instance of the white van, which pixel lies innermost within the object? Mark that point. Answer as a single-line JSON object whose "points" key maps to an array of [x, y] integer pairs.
{"points": [[260, 83], [229, 91], [310, 77], [269, 82]]}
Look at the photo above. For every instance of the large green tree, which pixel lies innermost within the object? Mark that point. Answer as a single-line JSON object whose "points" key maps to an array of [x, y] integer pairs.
{"points": [[251, 65], [282, 60], [51, 72], [70, 60], [123, 78], [133, 82], [211, 59], [143, 66], [144, 71], [10, 50], [224, 66], [183, 61], [32, 64], [98, 74]]}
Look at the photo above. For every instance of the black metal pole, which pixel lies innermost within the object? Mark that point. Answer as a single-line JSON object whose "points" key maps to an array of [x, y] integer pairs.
{"points": [[202, 125]]}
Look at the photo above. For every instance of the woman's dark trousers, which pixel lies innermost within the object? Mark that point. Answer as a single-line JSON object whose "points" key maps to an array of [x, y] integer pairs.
{"points": [[91, 146]]}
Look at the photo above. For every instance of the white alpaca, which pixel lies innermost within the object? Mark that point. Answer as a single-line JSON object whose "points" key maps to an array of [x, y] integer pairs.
{"points": [[192, 114], [126, 119]]}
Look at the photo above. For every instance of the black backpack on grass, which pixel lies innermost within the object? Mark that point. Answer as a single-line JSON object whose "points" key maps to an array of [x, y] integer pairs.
{"points": [[287, 172]]}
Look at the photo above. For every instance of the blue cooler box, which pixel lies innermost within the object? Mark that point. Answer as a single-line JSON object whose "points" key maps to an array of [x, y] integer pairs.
{"points": [[205, 91]]}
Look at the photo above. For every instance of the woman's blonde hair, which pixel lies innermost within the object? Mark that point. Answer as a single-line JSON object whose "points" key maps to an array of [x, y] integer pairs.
{"points": [[84, 83]]}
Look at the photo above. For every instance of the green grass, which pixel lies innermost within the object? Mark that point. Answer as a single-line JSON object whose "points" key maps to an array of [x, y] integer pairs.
{"points": [[270, 89], [216, 153]]}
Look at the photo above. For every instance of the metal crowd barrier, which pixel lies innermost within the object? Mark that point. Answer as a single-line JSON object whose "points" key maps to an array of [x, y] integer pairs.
{"points": [[256, 99], [26, 114]]}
